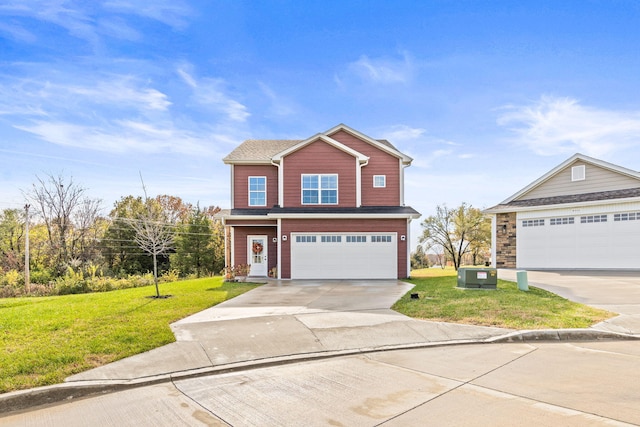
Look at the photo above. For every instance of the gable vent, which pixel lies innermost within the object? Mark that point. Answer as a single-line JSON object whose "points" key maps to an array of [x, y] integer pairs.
{"points": [[578, 173]]}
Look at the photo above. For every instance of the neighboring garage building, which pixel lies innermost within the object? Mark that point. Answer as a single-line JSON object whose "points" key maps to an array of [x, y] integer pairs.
{"points": [[583, 214], [327, 207]]}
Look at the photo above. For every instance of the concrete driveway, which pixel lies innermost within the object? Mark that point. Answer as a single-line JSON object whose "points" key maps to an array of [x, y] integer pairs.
{"points": [[289, 320], [615, 291]]}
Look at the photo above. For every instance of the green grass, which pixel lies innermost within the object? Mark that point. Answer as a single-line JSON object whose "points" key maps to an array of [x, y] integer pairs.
{"points": [[505, 307], [44, 340]]}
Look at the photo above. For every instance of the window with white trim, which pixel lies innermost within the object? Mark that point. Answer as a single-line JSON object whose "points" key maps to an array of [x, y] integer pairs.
{"points": [[562, 221], [356, 239], [533, 222], [257, 191], [593, 218], [305, 239], [578, 173], [379, 181], [380, 239], [320, 189], [631, 216], [331, 239]]}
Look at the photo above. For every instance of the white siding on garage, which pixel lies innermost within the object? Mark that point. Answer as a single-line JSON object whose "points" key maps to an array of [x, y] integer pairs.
{"points": [[598, 242], [344, 256]]}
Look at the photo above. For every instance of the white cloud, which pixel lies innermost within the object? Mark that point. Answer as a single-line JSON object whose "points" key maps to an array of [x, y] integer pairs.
{"points": [[380, 70], [556, 125], [170, 12], [80, 18], [278, 105], [115, 113], [121, 137], [209, 92], [403, 133]]}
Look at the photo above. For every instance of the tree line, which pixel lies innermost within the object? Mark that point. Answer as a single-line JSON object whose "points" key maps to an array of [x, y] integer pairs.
{"points": [[68, 231]]}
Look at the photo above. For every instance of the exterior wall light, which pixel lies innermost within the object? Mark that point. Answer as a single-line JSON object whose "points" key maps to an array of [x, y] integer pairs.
{"points": [[284, 237]]}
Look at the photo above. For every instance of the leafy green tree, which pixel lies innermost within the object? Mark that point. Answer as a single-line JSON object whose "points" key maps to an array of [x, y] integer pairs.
{"points": [[11, 239], [456, 230], [193, 248], [419, 258]]}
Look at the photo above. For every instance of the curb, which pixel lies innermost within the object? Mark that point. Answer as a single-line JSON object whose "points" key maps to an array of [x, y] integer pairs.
{"points": [[22, 400]]}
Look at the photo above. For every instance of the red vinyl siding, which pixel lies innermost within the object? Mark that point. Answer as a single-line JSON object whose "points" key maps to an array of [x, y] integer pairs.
{"points": [[398, 226], [319, 158], [240, 243], [241, 174], [380, 163]]}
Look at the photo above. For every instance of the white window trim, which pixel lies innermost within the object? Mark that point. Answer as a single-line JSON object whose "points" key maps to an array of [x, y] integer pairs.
{"points": [[319, 175], [249, 190], [384, 181]]}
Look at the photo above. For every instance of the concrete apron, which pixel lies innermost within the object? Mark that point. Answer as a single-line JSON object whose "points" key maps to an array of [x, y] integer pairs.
{"points": [[292, 320], [300, 320]]}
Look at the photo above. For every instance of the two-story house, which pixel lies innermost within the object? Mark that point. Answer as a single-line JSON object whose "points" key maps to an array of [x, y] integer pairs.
{"points": [[327, 207]]}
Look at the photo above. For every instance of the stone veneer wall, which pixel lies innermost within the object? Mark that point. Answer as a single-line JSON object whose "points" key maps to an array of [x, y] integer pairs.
{"points": [[506, 242]]}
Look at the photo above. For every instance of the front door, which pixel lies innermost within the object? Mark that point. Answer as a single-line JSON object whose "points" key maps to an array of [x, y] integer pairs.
{"points": [[257, 255]]}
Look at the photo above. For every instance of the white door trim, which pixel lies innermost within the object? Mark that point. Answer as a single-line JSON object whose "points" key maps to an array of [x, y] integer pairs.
{"points": [[259, 262]]}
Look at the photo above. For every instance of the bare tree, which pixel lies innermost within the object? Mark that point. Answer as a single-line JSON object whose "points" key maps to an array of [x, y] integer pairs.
{"points": [[153, 234], [455, 230], [61, 203]]}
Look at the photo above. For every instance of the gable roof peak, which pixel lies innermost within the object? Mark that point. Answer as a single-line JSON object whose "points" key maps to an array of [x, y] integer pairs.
{"points": [[382, 144], [576, 157]]}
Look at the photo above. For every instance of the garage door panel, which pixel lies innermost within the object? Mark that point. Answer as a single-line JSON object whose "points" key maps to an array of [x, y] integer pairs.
{"points": [[609, 244], [344, 260]]}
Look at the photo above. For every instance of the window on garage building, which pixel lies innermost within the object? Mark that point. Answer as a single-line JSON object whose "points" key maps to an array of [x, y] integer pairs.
{"points": [[257, 191], [380, 239], [562, 221], [356, 239], [578, 173], [379, 181], [588, 219], [319, 189], [533, 222], [632, 216], [331, 239], [305, 239]]}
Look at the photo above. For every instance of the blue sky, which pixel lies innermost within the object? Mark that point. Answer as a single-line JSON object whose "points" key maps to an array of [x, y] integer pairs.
{"points": [[486, 96]]}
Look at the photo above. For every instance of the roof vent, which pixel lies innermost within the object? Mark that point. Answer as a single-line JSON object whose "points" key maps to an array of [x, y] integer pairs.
{"points": [[578, 173]]}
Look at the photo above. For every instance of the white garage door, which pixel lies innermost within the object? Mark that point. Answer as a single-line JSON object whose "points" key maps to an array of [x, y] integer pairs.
{"points": [[344, 256], [592, 241]]}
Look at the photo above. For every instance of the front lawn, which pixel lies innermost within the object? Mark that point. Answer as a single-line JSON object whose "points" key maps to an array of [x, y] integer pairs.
{"points": [[44, 340], [505, 307]]}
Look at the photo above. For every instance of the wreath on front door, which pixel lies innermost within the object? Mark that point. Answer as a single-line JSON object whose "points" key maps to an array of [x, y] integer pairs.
{"points": [[257, 247]]}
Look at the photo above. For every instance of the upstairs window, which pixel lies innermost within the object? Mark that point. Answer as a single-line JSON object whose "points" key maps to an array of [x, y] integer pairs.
{"points": [[257, 191], [319, 189], [379, 181]]}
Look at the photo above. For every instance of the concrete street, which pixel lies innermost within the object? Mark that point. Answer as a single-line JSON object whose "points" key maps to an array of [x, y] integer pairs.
{"points": [[332, 353]]}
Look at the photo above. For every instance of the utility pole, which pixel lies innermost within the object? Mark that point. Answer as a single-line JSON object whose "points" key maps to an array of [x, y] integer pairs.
{"points": [[26, 248]]}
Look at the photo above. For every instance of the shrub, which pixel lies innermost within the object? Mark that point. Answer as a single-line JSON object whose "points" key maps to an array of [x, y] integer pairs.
{"points": [[12, 278], [172, 275], [43, 277]]}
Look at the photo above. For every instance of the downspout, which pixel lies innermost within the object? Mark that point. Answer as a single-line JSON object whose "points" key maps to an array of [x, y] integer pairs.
{"points": [[361, 163], [279, 220]]}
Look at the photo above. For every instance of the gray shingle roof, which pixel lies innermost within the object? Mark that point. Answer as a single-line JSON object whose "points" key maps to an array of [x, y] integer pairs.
{"points": [[262, 150], [572, 198]]}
